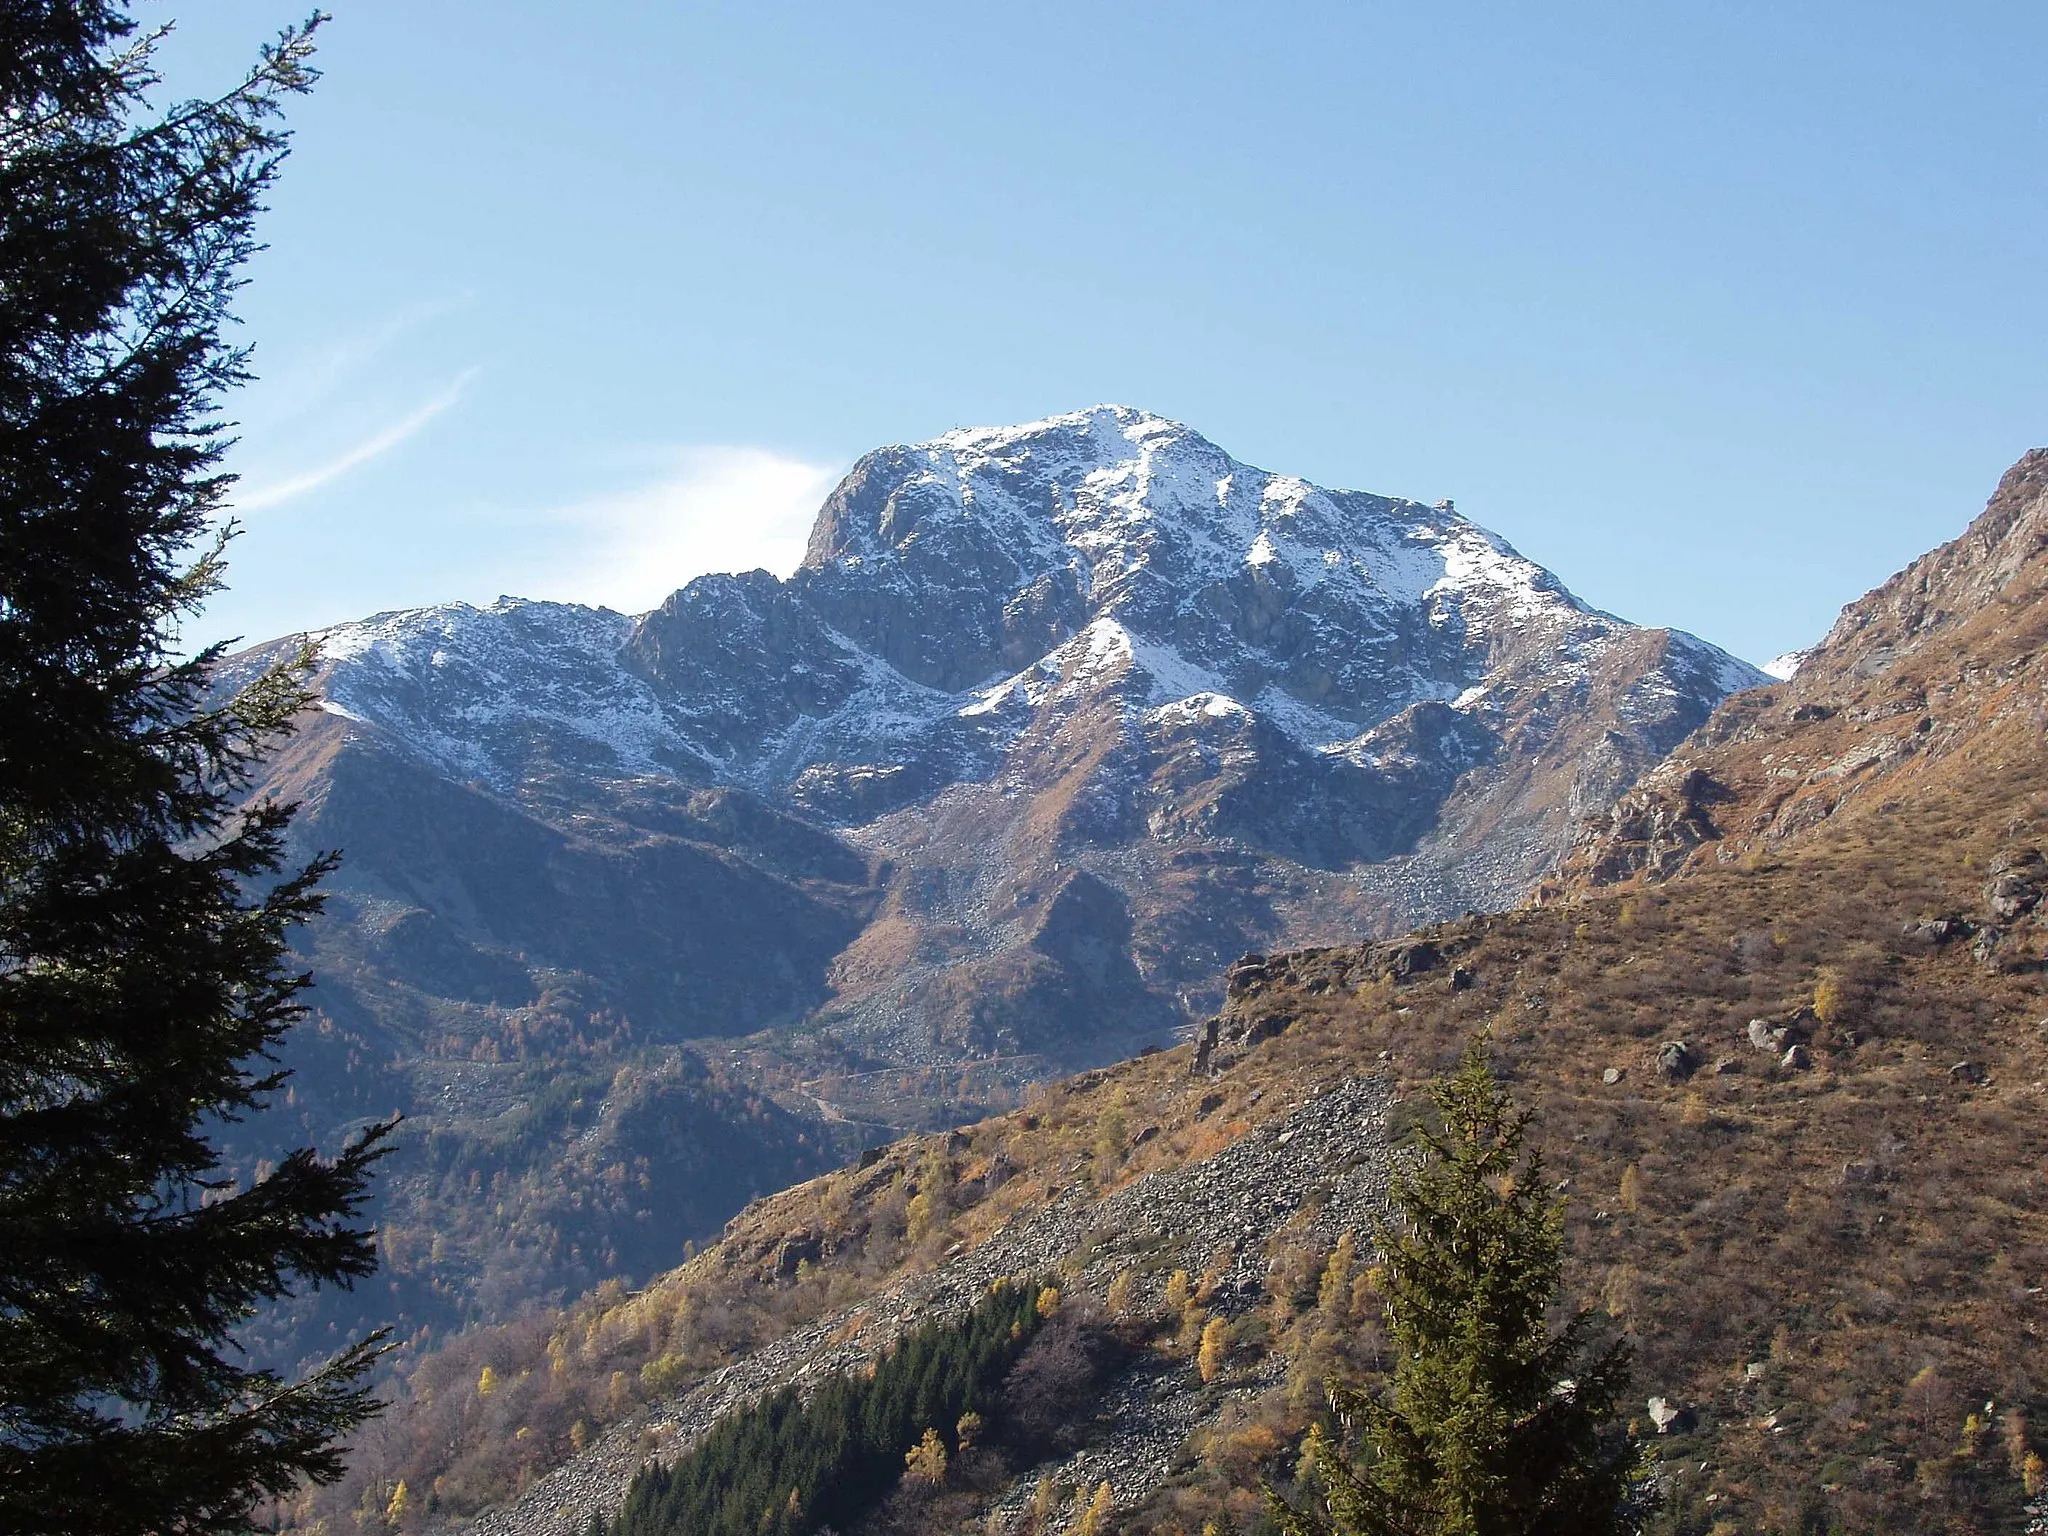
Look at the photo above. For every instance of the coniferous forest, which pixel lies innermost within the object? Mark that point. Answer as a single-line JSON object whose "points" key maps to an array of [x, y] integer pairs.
{"points": [[787, 1467]]}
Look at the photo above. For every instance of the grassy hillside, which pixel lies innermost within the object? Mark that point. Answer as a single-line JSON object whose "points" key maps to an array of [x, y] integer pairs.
{"points": [[1837, 1266], [1789, 1066]]}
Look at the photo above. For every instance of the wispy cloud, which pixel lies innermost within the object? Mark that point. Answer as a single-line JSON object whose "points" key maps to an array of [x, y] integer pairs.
{"points": [[299, 383], [277, 492], [710, 509]]}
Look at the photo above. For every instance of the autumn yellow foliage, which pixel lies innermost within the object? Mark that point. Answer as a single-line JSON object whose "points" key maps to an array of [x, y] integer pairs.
{"points": [[1215, 1344], [926, 1460]]}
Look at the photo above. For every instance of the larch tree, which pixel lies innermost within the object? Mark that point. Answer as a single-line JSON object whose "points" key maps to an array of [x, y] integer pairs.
{"points": [[1214, 1348], [145, 901], [1493, 1422]]}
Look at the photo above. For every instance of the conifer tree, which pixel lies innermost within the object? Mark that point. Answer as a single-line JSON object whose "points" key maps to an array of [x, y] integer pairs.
{"points": [[1492, 1423], [1120, 1290], [144, 909]]}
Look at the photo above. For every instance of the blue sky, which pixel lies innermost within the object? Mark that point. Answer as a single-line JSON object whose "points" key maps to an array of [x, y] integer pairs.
{"points": [[1723, 313]]}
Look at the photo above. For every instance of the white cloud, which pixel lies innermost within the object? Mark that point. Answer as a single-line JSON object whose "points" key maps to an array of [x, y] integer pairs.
{"points": [[277, 492], [712, 509]]}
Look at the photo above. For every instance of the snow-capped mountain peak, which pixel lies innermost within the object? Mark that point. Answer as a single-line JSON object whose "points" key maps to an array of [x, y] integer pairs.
{"points": [[1112, 492], [968, 601]]}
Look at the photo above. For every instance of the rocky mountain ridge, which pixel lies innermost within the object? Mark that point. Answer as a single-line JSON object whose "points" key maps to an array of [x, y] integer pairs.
{"points": [[1923, 667], [1092, 660], [953, 584]]}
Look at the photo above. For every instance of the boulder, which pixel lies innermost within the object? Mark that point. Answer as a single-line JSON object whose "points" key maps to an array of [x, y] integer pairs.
{"points": [[1795, 1059], [1967, 1072], [1676, 1060], [797, 1247], [1247, 972], [1612, 1076], [1937, 930], [1669, 1417], [1776, 1037], [2015, 887], [1416, 959], [2011, 898], [1267, 1026]]}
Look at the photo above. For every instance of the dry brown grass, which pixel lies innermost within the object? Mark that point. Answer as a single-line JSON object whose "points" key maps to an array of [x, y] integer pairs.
{"points": [[1838, 1267], [1854, 1228]]}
